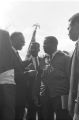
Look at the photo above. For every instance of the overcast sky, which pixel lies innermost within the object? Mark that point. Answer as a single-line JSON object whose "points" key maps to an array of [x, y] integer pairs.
{"points": [[52, 15]]}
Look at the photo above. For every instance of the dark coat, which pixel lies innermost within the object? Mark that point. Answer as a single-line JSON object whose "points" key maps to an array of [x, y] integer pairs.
{"points": [[58, 80]]}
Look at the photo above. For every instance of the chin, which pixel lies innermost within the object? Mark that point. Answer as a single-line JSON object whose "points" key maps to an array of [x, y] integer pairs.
{"points": [[19, 48], [73, 38]]}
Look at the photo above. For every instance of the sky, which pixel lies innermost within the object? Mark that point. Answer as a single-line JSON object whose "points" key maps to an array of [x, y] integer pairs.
{"points": [[51, 15]]}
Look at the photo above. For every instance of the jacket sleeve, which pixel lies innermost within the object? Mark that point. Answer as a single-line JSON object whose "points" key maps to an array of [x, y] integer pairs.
{"points": [[67, 66], [73, 83]]}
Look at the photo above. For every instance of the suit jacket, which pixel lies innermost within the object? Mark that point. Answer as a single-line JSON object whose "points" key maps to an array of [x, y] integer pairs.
{"points": [[58, 79], [74, 81], [20, 79]]}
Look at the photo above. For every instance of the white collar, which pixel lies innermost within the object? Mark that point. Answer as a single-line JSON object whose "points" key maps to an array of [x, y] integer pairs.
{"points": [[14, 49]]}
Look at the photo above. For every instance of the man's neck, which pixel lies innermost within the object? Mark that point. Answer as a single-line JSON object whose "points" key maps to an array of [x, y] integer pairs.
{"points": [[52, 53]]}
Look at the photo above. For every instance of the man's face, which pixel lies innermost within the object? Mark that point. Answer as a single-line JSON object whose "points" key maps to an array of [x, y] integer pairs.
{"points": [[34, 49], [48, 47], [73, 31], [20, 45]]}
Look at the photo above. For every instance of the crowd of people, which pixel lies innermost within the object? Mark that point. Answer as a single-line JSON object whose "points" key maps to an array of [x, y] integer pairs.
{"points": [[47, 87]]}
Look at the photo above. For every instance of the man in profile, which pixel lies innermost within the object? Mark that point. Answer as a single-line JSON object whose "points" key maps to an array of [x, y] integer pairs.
{"points": [[23, 74], [73, 103], [55, 80]]}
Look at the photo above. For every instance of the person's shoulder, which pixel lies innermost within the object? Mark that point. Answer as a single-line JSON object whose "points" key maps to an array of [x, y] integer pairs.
{"points": [[4, 35], [2, 31], [60, 53], [64, 55]]}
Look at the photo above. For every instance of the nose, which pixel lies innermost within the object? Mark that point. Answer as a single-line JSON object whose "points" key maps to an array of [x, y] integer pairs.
{"points": [[68, 28]]}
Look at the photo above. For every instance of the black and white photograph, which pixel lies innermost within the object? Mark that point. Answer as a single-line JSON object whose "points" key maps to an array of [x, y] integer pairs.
{"points": [[39, 59]]}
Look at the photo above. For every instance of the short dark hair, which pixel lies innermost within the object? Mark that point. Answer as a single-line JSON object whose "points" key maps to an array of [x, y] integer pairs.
{"points": [[74, 18], [52, 40], [17, 38]]}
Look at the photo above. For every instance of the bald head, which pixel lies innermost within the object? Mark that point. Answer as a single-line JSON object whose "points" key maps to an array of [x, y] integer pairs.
{"points": [[74, 18], [74, 27], [18, 40]]}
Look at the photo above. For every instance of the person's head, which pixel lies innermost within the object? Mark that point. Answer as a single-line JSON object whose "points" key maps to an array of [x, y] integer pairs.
{"points": [[5, 48], [5, 42], [35, 48], [50, 44], [74, 27], [18, 40]]}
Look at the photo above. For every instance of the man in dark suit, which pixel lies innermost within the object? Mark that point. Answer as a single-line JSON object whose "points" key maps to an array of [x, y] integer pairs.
{"points": [[55, 80], [73, 103], [21, 76]]}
